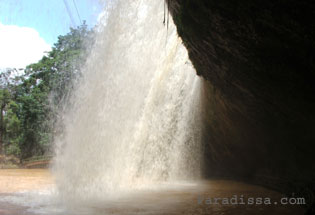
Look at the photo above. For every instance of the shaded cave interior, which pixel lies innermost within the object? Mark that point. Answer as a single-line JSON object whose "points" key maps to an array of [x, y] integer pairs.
{"points": [[258, 62]]}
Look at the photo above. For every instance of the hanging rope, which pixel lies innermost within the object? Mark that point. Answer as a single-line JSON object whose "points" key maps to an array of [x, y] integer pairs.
{"points": [[76, 8], [164, 12], [69, 13], [168, 13]]}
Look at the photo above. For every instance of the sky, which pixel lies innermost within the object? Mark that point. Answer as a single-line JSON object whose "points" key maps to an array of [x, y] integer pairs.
{"points": [[29, 28]]}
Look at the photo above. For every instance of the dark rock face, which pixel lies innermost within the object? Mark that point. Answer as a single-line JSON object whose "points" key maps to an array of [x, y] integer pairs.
{"points": [[258, 60]]}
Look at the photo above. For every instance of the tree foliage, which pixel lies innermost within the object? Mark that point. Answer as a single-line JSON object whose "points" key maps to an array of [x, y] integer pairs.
{"points": [[29, 102]]}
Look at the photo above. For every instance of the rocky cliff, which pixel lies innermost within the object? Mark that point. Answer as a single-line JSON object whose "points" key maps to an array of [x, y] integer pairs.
{"points": [[258, 60]]}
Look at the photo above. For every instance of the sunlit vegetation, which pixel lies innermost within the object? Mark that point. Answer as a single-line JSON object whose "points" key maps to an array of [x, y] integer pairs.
{"points": [[30, 102]]}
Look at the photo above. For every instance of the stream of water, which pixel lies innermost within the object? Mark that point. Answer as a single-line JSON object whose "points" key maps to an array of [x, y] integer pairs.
{"points": [[135, 119]]}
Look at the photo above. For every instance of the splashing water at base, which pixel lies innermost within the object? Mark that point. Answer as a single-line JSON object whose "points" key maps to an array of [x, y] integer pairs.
{"points": [[135, 121], [174, 198]]}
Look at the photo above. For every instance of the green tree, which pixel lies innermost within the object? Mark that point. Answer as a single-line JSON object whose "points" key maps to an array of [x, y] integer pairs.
{"points": [[44, 88], [4, 101], [29, 103], [13, 132], [7, 87]]}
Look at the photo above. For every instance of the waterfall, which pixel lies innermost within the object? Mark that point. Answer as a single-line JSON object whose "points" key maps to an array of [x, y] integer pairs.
{"points": [[135, 118]]}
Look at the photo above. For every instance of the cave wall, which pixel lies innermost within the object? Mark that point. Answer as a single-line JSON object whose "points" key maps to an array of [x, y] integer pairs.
{"points": [[258, 61]]}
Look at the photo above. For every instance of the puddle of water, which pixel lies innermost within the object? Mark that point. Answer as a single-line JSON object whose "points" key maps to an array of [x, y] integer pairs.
{"points": [[33, 192]]}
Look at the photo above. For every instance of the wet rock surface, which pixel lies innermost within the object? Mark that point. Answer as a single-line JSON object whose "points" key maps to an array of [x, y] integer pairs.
{"points": [[257, 58]]}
